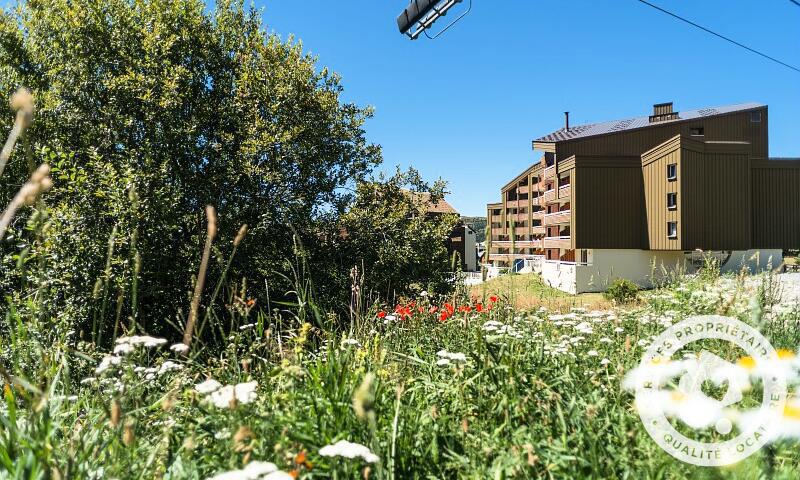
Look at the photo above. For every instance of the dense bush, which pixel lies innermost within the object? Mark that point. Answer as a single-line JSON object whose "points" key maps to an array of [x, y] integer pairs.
{"points": [[622, 291], [148, 111]]}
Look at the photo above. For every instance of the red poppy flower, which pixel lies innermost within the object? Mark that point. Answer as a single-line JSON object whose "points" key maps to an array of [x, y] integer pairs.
{"points": [[381, 314], [443, 317], [449, 308], [493, 298], [479, 307]]}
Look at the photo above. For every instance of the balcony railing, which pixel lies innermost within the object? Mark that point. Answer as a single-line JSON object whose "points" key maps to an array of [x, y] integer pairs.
{"points": [[539, 230], [512, 203], [536, 243], [557, 218], [565, 191], [562, 262], [537, 214], [517, 256], [550, 171], [557, 242], [550, 195]]}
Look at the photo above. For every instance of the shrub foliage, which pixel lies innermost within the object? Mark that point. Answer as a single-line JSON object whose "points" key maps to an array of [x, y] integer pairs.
{"points": [[148, 111]]}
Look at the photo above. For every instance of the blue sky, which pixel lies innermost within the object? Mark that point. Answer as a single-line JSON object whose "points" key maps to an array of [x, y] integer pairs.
{"points": [[466, 106]]}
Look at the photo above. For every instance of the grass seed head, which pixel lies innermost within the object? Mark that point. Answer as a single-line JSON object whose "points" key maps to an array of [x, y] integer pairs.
{"points": [[116, 413], [240, 235]]}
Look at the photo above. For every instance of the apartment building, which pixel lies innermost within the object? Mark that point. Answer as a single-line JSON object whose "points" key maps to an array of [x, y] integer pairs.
{"points": [[638, 198]]}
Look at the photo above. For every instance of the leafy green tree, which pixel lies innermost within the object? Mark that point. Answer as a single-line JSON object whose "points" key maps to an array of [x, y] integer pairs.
{"points": [[150, 110], [389, 234]]}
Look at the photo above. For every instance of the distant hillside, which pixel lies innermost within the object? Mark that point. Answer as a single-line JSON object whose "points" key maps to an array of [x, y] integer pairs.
{"points": [[479, 225]]}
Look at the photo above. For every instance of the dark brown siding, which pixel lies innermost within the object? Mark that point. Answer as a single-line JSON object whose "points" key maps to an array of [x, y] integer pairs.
{"points": [[715, 190], [733, 126], [608, 208], [776, 204], [656, 187]]}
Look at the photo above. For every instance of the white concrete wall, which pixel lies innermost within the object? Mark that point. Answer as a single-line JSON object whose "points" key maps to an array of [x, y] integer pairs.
{"points": [[645, 267], [638, 266], [560, 276], [470, 252]]}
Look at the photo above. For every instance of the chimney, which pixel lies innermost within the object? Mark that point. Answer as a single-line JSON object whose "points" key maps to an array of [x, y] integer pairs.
{"points": [[566, 121], [662, 112]]}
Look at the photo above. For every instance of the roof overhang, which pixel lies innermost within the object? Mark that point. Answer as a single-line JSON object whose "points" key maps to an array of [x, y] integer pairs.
{"points": [[544, 146]]}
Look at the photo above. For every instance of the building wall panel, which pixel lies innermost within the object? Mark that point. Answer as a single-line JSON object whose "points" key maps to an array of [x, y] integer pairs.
{"points": [[776, 204], [715, 187], [608, 205], [656, 187]]}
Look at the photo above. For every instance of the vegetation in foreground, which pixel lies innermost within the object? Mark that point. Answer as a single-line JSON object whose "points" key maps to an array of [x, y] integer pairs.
{"points": [[434, 388]]}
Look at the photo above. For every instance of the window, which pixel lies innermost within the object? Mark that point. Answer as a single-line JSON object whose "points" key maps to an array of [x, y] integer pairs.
{"points": [[672, 229], [697, 131], [672, 171], [755, 117], [584, 256], [672, 201]]}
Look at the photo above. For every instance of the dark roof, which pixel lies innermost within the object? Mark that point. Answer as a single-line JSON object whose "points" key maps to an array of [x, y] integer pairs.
{"points": [[592, 129], [424, 198]]}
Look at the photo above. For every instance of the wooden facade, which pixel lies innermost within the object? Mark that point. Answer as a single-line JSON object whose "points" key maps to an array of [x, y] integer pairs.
{"points": [[613, 190], [776, 203]]}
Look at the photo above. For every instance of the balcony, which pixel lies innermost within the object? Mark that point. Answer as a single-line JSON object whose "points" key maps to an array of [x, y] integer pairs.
{"points": [[557, 242], [540, 230], [550, 171], [498, 231], [538, 214], [550, 195], [558, 218], [565, 192], [520, 230], [535, 243], [512, 203], [524, 189], [535, 200], [509, 256]]}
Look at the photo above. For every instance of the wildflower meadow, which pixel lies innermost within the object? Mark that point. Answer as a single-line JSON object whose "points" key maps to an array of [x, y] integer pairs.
{"points": [[200, 279]]}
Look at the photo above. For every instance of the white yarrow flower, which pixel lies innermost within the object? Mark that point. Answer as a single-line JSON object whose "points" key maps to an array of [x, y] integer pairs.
{"points": [[346, 449], [242, 392], [107, 362], [169, 366], [143, 340], [454, 356], [123, 349], [208, 386], [254, 470], [179, 348]]}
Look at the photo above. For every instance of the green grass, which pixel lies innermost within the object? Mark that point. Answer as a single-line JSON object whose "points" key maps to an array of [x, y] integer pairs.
{"points": [[512, 410], [529, 290]]}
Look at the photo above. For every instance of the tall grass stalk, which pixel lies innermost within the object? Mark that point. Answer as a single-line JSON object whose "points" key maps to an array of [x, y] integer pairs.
{"points": [[209, 311], [97, 328], [22, 103], [211, 232], [39, 182]]}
